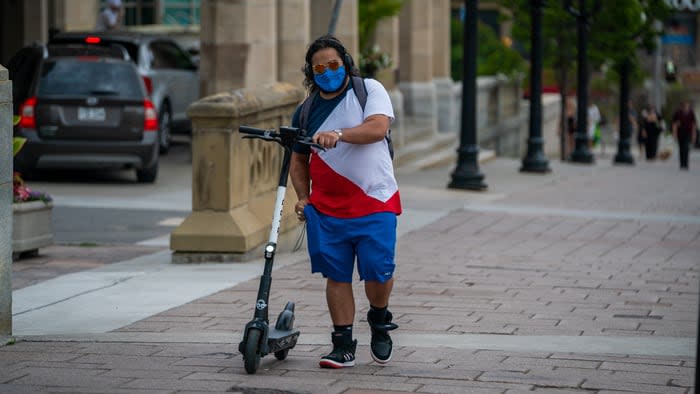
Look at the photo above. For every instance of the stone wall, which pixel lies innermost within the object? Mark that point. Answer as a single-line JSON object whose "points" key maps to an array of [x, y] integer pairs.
{"points": [[499, 115], [503, 117], [5, 203], [234, 181]]}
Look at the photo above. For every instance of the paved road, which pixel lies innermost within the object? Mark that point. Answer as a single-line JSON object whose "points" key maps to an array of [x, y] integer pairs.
{"points": [[584, 280]]}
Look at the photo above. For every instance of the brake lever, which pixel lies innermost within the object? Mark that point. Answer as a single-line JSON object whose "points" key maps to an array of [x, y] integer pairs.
{"points": [[313, 144]]}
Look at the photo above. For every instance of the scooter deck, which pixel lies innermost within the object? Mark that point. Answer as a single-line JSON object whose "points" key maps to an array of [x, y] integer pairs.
{"points": [[281, 339]]}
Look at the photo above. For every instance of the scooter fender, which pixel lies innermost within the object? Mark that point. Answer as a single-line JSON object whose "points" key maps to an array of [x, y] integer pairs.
{"points": [[264, 328]]}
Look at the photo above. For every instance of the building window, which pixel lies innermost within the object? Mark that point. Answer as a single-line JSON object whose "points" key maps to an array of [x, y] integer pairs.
{"points": [[180, 12]]}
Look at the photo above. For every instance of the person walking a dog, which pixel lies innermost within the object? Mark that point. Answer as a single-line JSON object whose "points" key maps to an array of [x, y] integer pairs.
{"points": [[347, 194]]}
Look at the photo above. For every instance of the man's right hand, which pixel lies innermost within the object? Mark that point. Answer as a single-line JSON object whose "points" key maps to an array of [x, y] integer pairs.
{"points": [[299, 209]]}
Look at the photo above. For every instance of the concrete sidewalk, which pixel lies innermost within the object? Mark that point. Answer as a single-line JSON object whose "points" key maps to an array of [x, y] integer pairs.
{"points": [[583, 280]]}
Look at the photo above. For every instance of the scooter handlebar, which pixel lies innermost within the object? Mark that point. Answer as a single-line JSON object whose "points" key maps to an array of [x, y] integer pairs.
{"points": [[258, 132], [272, 135]]}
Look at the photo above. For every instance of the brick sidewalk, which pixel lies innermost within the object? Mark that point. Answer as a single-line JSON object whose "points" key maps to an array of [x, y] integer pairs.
{"points": [[589, 257]]}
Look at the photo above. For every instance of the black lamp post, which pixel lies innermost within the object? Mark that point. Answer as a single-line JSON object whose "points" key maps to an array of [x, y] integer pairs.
{"points": [[623, 155], [535, 159], [467, 174], [581, 153]]}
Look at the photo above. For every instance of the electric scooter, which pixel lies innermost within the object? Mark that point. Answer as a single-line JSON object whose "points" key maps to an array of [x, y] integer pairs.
{"points": [[259, 339]]}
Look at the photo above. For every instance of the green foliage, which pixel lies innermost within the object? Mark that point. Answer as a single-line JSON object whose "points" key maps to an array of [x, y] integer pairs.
{"points": [[616, 32], [675, 94], [494, 58], [17, 144], [370, 12], [373, 60]]}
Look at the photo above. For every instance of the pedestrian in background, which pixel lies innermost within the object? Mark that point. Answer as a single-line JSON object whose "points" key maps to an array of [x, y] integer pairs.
{"points": [[651, 128], [111, 16], [684, 127], [570, 124], [636, 127], [593, 121], [348, 195]]}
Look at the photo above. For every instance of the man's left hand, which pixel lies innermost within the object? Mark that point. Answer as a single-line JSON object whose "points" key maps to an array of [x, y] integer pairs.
{"points": [[327, 139]]}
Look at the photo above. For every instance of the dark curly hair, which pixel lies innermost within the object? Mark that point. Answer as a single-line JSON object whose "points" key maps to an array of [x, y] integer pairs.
{"points": [[323, 42]]}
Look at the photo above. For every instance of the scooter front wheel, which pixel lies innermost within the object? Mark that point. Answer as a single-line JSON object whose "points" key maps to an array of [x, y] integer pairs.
{"points": [[251, 356]]}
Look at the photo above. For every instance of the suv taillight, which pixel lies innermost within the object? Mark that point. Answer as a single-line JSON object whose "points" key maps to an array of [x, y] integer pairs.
{"points": [[150, 120], [26, 111], [149, 84]]}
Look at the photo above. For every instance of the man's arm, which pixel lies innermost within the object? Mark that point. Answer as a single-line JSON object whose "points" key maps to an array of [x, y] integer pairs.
{"points": [[299, 171], [372, 130]]}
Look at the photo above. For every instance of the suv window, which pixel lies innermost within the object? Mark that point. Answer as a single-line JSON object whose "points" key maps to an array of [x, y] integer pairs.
{"points": [[167, 55], [81, 77]]}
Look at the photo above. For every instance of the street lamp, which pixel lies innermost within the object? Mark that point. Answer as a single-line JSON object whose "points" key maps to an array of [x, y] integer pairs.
{"points": [[623, 155], [581, 153], [535, 159], [467, 174]]}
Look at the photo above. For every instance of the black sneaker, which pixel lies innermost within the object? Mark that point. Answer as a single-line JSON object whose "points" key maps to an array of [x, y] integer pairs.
{"points": [[343, 354], [381, 345]]}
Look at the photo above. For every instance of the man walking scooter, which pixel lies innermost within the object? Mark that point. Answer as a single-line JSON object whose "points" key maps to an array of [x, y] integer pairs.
{"points": [[348, 195]]}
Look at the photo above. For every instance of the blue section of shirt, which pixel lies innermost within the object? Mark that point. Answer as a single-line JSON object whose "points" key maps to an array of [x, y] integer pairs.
{"points": [[320, 110]]}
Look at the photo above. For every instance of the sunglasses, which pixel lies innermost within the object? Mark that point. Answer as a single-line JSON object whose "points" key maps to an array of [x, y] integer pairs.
{"points": [[333, 65]]}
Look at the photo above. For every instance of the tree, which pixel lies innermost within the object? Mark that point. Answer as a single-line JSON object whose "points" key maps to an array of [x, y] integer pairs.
{"points": [[616, 33], [559, 33], [494, 57]]}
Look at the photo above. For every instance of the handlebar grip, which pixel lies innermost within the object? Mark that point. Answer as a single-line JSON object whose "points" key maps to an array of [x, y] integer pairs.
{"points": [[254, 131]]}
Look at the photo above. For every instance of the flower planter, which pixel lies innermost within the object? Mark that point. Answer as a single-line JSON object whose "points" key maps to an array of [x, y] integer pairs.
{"points": [[31, 227]]}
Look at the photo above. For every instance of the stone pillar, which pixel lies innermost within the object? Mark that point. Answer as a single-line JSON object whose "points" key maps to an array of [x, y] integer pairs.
{"points": [[387, 37], [74, 15], [293, 38], [345, 28], [416, 71], [234, 181], [5, 203], [36, 21], [441, 66], [238, 44]]}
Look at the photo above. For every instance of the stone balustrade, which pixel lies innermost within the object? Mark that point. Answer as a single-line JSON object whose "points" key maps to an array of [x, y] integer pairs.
{"points": [[234, 180], [503, 116]]}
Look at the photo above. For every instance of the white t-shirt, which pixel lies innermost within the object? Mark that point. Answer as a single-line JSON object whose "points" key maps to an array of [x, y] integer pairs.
{"points": [[353, 180]]}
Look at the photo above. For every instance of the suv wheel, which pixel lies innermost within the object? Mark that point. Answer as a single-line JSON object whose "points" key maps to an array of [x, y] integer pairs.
{"points": [[164, 129], [148, 174]]}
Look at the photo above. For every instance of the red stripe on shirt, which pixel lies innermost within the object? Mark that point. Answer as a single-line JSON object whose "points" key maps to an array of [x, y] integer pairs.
{"points": [[334, 195]]}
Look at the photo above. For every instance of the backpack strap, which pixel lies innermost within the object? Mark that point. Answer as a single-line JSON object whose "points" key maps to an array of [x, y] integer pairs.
{"points": [[358, 86], [360, 89], [306, 110]]}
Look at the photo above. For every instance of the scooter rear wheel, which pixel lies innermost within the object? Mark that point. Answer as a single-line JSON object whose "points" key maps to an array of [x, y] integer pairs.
{"points": [[281, 354], [251, 357]]}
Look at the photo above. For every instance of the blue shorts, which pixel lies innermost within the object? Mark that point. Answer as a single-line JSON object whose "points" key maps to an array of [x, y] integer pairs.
{"points": [[334, 243]]}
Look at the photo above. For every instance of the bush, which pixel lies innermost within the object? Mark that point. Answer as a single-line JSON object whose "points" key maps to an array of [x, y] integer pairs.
{"points": [[494, 58]]}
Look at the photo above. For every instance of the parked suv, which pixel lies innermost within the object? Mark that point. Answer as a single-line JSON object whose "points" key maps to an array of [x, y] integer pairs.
{"points": [[83, 108], [169, 72]]}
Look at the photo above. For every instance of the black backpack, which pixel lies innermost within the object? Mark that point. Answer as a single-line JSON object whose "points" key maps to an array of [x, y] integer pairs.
{"points": [[358, 86]]}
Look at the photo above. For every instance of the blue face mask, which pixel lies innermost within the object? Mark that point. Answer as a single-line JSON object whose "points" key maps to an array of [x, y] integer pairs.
{"points": [[330, 81]]}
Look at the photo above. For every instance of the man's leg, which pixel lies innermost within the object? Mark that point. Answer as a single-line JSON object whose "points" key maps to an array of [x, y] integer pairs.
{"points": [[341, 303], [379, 319], [378, 293], [341, 306], [683, 143]]}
